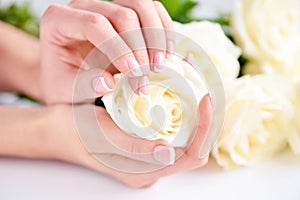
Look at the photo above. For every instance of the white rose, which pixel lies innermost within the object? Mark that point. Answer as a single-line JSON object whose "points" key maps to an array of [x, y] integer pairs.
{"points": [[214, 42], [268, 31], [289, 67], [170, 110], [259, 112], [294, 134]]}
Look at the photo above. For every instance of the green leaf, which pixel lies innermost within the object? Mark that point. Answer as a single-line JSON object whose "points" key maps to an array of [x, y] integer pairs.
{"points": [[20, 15], [180, 10]]}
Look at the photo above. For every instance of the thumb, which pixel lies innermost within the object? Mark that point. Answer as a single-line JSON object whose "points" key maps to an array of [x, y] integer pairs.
{"points": [[205, 117]]}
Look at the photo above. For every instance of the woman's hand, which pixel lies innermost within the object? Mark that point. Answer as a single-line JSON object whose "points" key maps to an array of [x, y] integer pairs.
{"points": [[69, 33], [19, 61], [51, 132], [136, 162]]}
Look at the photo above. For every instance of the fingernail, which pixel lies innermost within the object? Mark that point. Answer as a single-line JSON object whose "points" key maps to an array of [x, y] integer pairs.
{"points": [[158, 61], [134, 67], [170, 47], [144, 86], [164, 155], [100, 86]]}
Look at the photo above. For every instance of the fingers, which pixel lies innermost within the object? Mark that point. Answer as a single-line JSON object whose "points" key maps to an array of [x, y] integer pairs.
{"points": [[153, 32], [167, 24], [84, 25], [126, 23], [100, 136], [123, 20], [156, 151], [127, 20], [205, 117], [91, 84], [132, 155], [190, 158]]}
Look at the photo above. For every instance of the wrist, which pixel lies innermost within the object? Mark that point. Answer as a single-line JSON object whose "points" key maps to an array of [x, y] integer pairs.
{"points": [[23, 132], [65, 143]]}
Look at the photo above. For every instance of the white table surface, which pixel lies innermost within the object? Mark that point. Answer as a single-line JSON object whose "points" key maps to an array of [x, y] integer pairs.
{"points": [[275, 179]]}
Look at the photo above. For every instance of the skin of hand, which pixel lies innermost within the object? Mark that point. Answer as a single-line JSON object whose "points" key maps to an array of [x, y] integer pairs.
{"points": [[75, 151], [69, 33], [50, 132], [19, 67]]}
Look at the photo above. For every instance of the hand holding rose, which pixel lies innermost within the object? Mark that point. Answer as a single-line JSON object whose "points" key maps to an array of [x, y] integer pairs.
{"points": [[65, 144], [51, 131], [169, 112], [89, 24]]}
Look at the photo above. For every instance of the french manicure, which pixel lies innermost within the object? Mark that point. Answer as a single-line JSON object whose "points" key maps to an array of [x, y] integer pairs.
{"points": [[158, 61], [164, 155], [100, 86], [144, 86], [134, 67]]}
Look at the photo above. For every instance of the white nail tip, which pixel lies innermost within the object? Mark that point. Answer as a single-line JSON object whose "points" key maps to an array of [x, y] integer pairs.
{"points": [[157, 69], [146, 96], [136, 71], [105, 86]]}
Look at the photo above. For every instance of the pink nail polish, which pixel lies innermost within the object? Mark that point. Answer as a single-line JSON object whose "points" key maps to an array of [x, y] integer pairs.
{"points": [[164, 155], [100, 86], [158, 61], [134, 67], [144, 86]]}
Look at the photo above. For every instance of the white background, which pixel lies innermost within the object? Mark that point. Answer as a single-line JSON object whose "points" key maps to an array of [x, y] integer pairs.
{"points": [[275, 179]]}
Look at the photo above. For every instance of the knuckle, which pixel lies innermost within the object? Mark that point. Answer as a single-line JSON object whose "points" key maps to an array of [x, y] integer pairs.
{"points": [[95, 19], [51, 9], [49, 12], [126, 14], [140, 5]]}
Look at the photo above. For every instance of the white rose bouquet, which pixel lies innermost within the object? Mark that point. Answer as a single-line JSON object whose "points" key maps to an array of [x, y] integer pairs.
{"points": [[268, 32], [262, 111], [259, 114]]}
